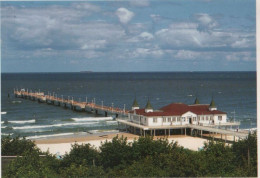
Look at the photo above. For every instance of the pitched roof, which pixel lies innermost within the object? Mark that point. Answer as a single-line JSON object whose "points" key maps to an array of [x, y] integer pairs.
{"points": [[178, 109]]}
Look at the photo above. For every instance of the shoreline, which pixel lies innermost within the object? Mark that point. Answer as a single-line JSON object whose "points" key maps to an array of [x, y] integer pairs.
{"points": [[61, 146]]}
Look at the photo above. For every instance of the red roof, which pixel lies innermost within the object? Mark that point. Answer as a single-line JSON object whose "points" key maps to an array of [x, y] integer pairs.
{"points": [[177, 109]]}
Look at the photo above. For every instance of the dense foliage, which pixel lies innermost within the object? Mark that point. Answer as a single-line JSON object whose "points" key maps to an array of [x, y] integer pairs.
{"points": [[144, 157]]}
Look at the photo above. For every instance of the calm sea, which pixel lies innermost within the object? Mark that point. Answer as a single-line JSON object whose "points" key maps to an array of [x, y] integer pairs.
{"points": [[233, 92]]}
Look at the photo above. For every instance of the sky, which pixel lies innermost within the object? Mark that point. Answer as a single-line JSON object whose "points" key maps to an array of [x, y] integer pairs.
{"points": [[128, 36]]}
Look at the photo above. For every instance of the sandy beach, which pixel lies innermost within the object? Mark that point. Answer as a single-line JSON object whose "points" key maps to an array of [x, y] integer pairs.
{"points": [[63, 145]]}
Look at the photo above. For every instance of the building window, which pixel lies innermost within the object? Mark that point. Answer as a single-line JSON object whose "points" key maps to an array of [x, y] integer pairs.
{"points": [[164, 119], [207, 118], [145, 119], [169, 119], [178, 119], [183, 119], [155, 120], [174, 119], [211, 118], [198, 118], [220, 118], [194, 118]]}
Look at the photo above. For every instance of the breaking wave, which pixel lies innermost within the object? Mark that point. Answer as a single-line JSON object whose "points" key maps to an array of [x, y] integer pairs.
{"points": [[112, 122], [22, 122], [3, 112], [16, 101], [102, 131], [92, 119], [6, 134], [54, 125], [44, 136]]}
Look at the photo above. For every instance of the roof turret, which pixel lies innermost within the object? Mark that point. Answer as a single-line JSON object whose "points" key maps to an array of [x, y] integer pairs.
{"points": [[196, 101], [135, 104], [212, 104], [148, 105]]}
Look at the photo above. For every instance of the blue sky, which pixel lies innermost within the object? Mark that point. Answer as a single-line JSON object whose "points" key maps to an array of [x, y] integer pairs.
{"points": [[128, 36]]}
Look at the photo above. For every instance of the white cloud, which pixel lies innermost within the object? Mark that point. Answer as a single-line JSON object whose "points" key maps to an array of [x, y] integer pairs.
{"points": [[140, 3], [240, 56], [205, 21], [185, 54], [124, 15], [146, 36], [87, 6]]}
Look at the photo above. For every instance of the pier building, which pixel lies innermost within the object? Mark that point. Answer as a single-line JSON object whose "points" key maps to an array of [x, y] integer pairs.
{"points": [[180, 118]]}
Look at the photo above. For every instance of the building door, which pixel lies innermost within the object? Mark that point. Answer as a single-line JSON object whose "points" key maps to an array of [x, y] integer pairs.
{"points": [[190, 120]]}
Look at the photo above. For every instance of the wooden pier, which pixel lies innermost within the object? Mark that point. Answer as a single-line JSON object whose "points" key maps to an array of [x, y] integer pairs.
{"points": [[71, 104]]}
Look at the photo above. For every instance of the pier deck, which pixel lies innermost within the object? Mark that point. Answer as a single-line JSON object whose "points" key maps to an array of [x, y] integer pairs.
{"points": [[72, 104]]}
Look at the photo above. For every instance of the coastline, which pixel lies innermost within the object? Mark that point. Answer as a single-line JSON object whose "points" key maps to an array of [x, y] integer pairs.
{"points": [[61, 145]]}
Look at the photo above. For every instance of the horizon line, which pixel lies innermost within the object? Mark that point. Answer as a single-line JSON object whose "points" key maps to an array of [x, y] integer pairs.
{"points": [[89, 72]]}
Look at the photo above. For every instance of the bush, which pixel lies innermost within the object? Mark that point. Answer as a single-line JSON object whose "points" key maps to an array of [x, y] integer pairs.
{"points": [[32, 165], [116, 153], [17, 146], [81, 155]]}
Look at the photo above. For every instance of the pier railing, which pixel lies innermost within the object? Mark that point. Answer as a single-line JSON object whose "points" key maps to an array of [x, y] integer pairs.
{"points": [[75, 105]]}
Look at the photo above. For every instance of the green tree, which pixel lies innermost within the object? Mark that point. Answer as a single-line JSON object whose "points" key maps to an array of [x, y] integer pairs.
{"points": [[246, 155], [146, 146], [116, 153], [145, 168], [82, 171], [31, 164], [16, 146], [219, 159], [83, 154]]}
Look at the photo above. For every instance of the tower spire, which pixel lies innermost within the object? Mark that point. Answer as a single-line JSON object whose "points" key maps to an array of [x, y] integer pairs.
{"points": [[196, 101], [135, 104], [148, 107], [212, 105]]}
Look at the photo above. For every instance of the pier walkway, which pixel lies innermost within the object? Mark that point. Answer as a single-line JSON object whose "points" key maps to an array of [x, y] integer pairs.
{"points": [[71, 104]]}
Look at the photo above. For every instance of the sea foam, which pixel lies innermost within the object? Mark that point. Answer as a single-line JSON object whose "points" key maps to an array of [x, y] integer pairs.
{"points": [[22, 122], [112, 122], [92, 119], [16, 101], [3, 112], [44, 136], [54, 125]]}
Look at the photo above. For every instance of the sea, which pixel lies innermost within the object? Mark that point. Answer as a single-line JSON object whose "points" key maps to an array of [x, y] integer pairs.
{"points": [[233, 93]]}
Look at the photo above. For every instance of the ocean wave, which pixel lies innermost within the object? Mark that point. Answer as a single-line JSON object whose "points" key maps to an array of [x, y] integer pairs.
{"points": [[44, 136], [3, 112], [54, 125], [16, 101], [2, 122], [6, 134], [102, 131], [92, 119], [2, 127], [22, 122], [189, 95], [112, 122]]}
